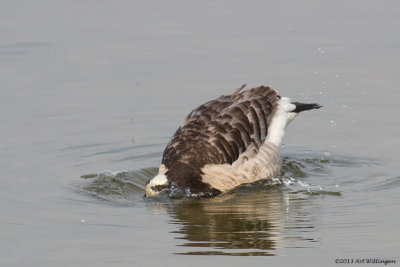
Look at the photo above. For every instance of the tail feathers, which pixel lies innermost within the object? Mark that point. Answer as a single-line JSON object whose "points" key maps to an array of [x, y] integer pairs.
{"points": [[302, 107]]}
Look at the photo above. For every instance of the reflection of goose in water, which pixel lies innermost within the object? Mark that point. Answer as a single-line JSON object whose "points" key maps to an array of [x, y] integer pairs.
{"points": [[227, 142], [251, 224]]}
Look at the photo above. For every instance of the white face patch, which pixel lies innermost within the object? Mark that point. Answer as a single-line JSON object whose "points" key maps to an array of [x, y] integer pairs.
{"points": [[156, 181], [160, 179]]}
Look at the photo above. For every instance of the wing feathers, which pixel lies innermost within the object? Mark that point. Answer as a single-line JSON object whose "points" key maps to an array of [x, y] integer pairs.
{"points": [[228, 124]]}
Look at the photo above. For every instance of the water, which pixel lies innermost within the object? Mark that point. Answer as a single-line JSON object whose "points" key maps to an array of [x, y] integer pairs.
{"points": [[92, 91]]}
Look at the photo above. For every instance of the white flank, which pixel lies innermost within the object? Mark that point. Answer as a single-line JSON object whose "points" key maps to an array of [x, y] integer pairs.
{"points": [[249, 167], [283, 116]]}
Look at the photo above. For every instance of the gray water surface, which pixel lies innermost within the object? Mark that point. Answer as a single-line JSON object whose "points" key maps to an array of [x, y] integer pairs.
{"points": [[92, 91]]}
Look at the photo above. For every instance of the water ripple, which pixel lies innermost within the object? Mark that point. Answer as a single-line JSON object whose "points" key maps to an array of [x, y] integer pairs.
{"points": [[126, 187]]}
